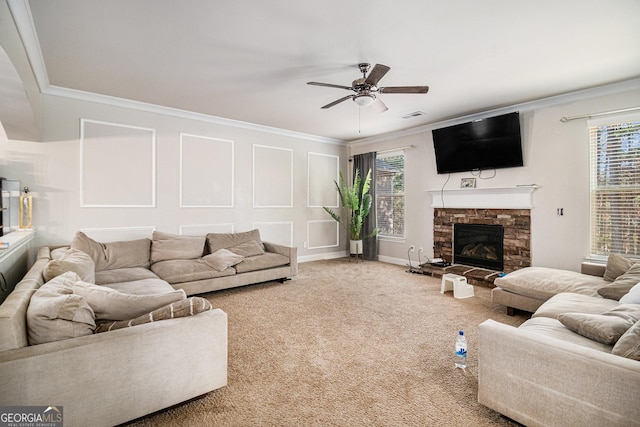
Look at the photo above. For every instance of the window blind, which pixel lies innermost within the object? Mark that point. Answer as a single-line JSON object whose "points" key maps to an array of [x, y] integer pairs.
{"points": [[390, 194], [615, 187]]}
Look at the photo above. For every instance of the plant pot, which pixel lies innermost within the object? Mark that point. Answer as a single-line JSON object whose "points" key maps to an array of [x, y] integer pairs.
{"points": [[355, 246]]}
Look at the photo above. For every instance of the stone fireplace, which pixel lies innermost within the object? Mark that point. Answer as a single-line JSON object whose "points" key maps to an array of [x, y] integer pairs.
{"points": [[516, 228]]}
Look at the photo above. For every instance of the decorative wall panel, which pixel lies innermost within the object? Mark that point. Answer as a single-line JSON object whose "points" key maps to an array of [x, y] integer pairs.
{"points": [[203, 229], [206, 172], [323, 234], [117, 234], [272, 177], [276, 232], [323, 170], [117, 165]]}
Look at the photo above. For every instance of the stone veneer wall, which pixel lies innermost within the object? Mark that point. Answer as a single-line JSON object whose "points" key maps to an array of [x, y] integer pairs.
{"points": [[517, 232]]}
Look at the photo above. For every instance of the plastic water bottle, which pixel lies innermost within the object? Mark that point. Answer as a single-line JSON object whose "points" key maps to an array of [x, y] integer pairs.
{"points": [[461, 351]]}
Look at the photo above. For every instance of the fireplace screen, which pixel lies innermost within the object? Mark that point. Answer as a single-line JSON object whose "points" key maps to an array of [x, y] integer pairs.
{"points": [[479, 245]]}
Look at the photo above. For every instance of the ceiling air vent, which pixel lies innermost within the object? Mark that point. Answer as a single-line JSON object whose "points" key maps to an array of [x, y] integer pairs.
{"points": [[412, 115]]}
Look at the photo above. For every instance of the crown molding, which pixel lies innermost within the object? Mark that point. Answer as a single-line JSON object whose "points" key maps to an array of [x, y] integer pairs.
{"points": [[26, 28], [593, 92], [183, 114], [24, 23]]}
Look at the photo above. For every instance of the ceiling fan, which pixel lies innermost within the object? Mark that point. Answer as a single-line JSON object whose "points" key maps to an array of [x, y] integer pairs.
{"points": [[366, 87]]}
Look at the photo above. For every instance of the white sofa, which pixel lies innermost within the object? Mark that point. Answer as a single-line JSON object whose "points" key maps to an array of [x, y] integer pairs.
{"points": [[576, 362], [108, 378]]}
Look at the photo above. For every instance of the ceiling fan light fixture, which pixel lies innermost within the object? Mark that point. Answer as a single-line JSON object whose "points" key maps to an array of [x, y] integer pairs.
{"points": [[364, 100]]}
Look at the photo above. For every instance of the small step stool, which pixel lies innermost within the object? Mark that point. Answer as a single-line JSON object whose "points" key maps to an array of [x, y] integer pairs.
{"points": [[459, 285]]}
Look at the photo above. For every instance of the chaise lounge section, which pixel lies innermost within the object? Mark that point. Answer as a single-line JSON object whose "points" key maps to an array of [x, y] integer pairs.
{"points": [[576, 362], [528, 288]]}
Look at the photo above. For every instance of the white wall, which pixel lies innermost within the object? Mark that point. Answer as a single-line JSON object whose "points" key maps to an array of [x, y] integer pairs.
{"points": [[555, 154], [52, 171], [556, 158]]}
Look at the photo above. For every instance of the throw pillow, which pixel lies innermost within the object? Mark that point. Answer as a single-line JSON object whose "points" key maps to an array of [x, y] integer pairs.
{"points": [[616, 266], [187, 307], [622, 284], [71, 260], [113, 255], [56, 313], [58, 252], [248, 249], [222, 259], [109, 304], [633, 296], [629, 343], [607, 327], [217, 241], [166, 246]]}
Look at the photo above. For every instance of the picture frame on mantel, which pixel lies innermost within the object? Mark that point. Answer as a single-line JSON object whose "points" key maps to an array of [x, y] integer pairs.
{"points": [[468, 183]]}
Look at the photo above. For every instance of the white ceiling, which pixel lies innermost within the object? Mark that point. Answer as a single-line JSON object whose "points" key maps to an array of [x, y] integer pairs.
{"points": [[249, 60]]}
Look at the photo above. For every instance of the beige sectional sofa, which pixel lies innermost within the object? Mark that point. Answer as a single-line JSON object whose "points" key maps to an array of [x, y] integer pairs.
{"points": [[528, 288], [72, 334], [576, 362], [196, 264]]}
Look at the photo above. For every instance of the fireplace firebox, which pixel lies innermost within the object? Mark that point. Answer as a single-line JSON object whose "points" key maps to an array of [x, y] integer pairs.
{"points": [[479, 245]]}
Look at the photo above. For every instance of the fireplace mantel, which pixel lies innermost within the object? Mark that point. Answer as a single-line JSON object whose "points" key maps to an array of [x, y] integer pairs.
{"points": [[518, 197]]}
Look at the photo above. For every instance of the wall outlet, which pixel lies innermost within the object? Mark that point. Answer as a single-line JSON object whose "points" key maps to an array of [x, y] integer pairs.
{"points": [[306, 245]]}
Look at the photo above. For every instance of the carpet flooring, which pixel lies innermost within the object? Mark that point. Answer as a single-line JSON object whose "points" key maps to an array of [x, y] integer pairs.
{"points": [[346, 344]]}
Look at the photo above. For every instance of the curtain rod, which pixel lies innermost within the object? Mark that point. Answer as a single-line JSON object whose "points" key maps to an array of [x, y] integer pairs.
{"points": [[588, 116], [406, 147]]}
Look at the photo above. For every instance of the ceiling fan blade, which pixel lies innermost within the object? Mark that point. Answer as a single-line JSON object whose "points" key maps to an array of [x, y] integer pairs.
{"points": [[338, 101], [379, 106], [376, 74], [404, 89], [329, 85]]}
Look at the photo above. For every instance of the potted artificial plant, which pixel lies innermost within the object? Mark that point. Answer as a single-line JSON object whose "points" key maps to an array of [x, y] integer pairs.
{"points": [[357, 202]]}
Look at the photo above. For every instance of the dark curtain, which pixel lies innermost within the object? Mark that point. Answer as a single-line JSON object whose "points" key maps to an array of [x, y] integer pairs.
{"points": [[364, 162]]}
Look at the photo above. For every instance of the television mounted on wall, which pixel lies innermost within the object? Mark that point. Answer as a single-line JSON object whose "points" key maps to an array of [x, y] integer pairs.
{"points": [[491, 143]]}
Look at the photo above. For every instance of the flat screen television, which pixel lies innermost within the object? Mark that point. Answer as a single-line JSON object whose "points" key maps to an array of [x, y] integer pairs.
{"points": [[490, 143]]}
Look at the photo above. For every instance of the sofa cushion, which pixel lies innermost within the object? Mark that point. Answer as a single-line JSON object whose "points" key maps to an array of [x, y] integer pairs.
{"points": [[58, 252], [166, 246], [71, 260], [118, 275], [222, 259], [261, 262], [56, 313], [248, 249], [552, 328], [187, 270], [633, 296], [616, 266], [143, 287], [622, 284], [109, 256], [574, 303], [629, 343], [217, 241], [543, 283], [110, 304], [607, 327], [188, 307]]}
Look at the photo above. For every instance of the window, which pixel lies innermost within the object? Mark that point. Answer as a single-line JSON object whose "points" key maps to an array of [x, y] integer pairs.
{"points": [[390, 194], [615, 186]]}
